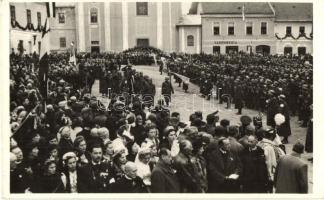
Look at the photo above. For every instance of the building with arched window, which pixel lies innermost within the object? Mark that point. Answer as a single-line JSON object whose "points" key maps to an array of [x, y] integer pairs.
{"points": [[209, 27], [117, 26]]}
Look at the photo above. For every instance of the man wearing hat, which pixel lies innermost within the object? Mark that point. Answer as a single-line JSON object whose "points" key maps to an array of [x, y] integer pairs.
{"points": [[167, 89], [291, 174]]}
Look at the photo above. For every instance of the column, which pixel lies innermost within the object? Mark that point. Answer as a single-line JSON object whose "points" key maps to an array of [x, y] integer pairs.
{"points": [[182, 39], [125, 24], [107, 26], [159, 27], [170, 27], [198, 40], [80, 28]]}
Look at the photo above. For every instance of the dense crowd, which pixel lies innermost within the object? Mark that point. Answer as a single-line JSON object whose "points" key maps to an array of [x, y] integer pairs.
{"points": [[252, 79], [74, 144]]}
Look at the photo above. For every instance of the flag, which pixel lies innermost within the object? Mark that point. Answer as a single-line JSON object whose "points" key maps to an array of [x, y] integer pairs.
{"points": [[43, 62], [72, 54], [44, 52], [25, 131], [50, 8], [243, 12]]}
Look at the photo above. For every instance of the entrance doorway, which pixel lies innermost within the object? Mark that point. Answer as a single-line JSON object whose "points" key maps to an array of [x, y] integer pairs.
{"points": [[95, 49], [262, 49], [231, 49], [216, 50], [301, 51], [142, 42]]}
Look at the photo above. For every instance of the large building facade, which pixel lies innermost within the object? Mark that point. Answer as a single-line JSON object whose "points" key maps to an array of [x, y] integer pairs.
{"points": [[275, 28], [209, 27], [116, 26]]}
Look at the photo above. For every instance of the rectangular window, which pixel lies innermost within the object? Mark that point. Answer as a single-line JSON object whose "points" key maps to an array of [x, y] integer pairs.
{"points": [[231, 28], [302, 29], [216, 28], [28, 16], [61, 18], [249, 28], [13, 13], [142, 42], [62, 42], [39, 19], [94, 17], [263, 28], [141, 8], [94, 42], [288, 30]]}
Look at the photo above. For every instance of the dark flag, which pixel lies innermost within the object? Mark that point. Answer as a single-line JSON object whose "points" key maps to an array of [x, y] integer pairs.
{"points": [[44, 52], [25, 131]]}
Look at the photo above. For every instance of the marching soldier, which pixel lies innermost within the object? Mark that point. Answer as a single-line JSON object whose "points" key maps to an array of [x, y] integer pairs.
{"points": [[167, 89]]}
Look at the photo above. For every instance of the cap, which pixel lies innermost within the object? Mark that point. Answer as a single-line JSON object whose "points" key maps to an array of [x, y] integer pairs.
{"points": [[298, 147]]}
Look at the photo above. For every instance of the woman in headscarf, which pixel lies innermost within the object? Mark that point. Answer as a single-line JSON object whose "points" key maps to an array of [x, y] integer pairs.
{"points": [[143, 168]]}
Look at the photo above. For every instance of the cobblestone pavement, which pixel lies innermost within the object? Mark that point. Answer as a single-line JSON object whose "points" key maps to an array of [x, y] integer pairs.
{"points": [[187, 103]]}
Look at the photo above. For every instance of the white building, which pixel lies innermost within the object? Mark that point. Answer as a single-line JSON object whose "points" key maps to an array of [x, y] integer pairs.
{"points": [[25, 22], [252, 27], [294, 28]]}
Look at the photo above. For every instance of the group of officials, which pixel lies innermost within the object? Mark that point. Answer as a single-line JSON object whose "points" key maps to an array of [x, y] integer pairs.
{"points": [[74, 144]]}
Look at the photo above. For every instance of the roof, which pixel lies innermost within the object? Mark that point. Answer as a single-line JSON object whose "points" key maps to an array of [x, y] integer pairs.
{"points": [[283, 11], [231, 8], [190, 20], [293, 11], [193, 8]]}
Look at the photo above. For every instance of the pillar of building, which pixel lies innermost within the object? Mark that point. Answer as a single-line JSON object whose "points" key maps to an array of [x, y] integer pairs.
{"points": [[125, 24], [159, 31], [107, 26], [80, 27]]}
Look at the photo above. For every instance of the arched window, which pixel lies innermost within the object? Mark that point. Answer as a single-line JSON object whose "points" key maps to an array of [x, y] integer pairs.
{"points": [[190, 41], [93, 15]]}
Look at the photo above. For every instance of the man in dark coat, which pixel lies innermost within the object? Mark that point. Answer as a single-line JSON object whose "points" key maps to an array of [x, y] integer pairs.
{"points": [[185, 168], [223, 168], [96, 176], [254, 174], [291, 173], [167, 89], [164, 178], [272, 103], [130, 182], [238, 99]]}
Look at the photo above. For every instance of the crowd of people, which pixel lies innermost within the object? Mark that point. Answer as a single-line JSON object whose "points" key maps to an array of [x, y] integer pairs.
{"points": [[251, 80], [73, 143]]}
